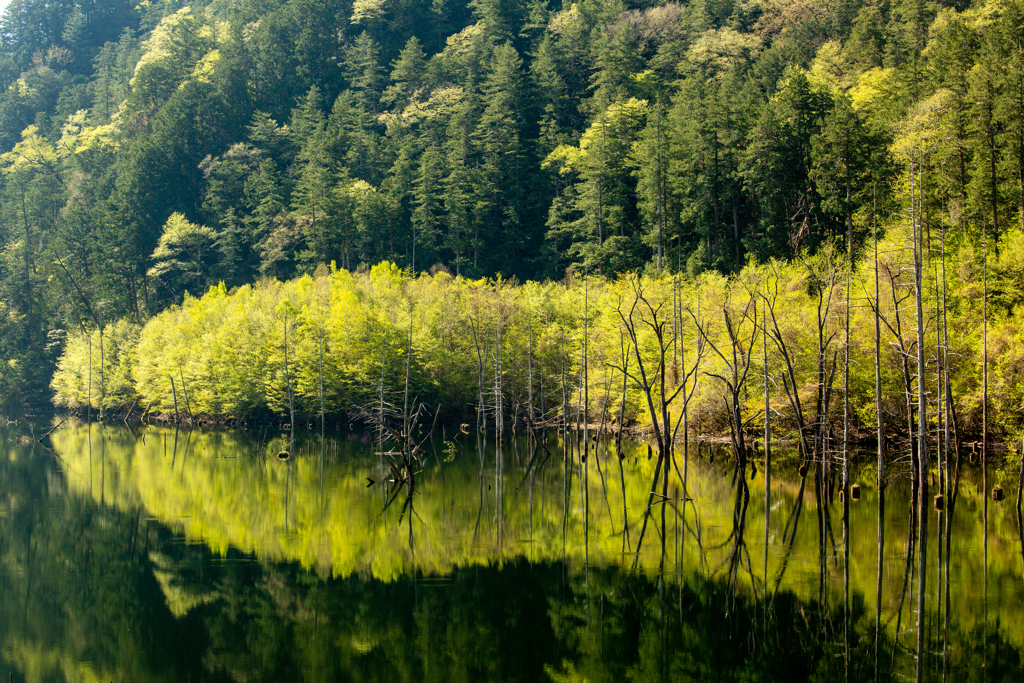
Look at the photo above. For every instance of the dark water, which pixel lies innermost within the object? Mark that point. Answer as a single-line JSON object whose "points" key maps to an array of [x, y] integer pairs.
{"points": [[189, 556]]}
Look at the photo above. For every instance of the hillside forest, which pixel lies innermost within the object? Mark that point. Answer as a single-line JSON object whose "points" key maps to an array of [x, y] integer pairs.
{"points": [[204, 192]]}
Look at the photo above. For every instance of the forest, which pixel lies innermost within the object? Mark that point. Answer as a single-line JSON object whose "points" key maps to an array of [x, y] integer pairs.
{"points": [[185, 186], [795, 337]]}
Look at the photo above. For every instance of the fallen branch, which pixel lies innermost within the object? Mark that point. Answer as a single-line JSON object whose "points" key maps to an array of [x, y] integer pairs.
{"points": [[40, 439], [129, 414]]}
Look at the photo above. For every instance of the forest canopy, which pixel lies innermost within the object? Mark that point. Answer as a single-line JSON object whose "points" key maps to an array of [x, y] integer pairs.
{"points": [[151, 151], [536, 354]]}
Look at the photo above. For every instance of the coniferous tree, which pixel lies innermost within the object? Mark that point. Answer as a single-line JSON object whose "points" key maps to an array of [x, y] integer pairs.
{"points": [[500, 204]]}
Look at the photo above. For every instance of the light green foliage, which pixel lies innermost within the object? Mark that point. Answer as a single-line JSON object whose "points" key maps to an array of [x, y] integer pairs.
{"points": [[717, 50], [183, 255], [226, 349], [169, 56], [106, 375]]}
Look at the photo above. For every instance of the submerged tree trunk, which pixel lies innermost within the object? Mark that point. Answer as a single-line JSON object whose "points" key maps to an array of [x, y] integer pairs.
{"points": [[880, 435], [767, 453], [922, 446], [288, 380]]}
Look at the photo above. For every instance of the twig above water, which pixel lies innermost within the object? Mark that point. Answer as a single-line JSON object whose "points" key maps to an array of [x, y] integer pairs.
{"points": [[55, 428]]}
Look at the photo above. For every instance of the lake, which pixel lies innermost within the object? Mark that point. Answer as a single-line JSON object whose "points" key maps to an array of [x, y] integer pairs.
{"points": [[154, 553]]}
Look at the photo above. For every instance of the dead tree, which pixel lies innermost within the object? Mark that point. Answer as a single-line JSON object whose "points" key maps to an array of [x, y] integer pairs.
{"points": [[737, 366], [653, 384], [811, 433], [898, 297]]}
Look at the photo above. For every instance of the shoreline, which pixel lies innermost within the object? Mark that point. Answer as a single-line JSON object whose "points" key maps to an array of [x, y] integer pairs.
{"points": [[635, 433]]}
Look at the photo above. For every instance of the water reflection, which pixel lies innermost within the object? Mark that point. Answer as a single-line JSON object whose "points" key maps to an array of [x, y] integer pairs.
{"points": [[194, 555]]}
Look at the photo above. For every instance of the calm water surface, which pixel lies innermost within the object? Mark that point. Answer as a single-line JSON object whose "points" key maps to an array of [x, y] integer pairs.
{"points": [[158, 554]]}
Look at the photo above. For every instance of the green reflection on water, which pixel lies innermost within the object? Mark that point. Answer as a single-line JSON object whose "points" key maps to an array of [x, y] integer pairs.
{"points": [[499, 576]]}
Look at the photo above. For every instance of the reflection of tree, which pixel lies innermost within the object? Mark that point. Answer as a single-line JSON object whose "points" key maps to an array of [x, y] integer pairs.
{"points": [[633, 628], [481, 625], [737, 556], [792, 522], [384, 615], [77, 590]]}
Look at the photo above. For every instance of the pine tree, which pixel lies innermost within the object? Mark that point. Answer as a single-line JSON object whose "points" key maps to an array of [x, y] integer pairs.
{"points": [[264, 200], [407, 75], [499, 205], [313, 176], [1007, 41], [603, 208], [428, 203]]}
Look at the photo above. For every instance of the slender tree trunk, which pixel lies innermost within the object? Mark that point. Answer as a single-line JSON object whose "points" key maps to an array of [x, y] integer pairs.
{"points": [[405, 405], [878, 353], [28, 261], [288, 380], [103, 377], [586, 416], [89, 409], [322, 413], [565, 395], [767, 451], [174, 393], [880, 435], [984, 413], [994, 182], [941, 451], [529, 418], [922, 448], [380, 418], [947, 482], [846, 426], [658, 180], [676, 329], [618, 446], [600, 194], [481, 419], [184, 391]]}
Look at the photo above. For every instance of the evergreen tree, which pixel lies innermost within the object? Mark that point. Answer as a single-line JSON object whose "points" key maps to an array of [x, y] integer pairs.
{"points": [[499, 206], [428, 203], [313, 177], [777, 167], [407, 76], [183, 259]]}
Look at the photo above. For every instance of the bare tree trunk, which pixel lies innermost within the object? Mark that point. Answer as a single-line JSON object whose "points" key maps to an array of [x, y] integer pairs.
{"points": [[288, 380], [529, 418], [174, 392], [658, 176], [380, 404], [89, 410], [28, 260], [922, 448], [618, 444], [586, 417], [184, 390], [322, 408], [881, 441], [103, 377], [481, 418], [846, 428], [949, 485], [984, 407], [323, 444], [767, 451], [407, 446]]}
